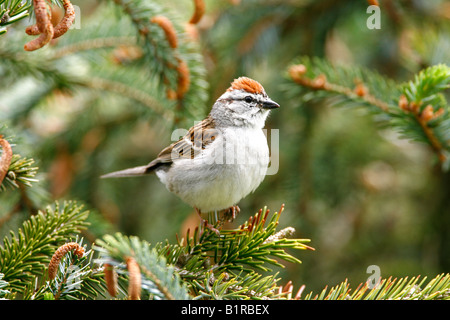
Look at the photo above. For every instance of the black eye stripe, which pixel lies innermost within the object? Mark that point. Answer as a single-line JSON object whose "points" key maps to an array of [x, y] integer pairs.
{"points": [[229, 100]]}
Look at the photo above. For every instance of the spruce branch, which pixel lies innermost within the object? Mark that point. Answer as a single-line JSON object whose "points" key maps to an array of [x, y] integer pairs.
{"points": [[14, 169], [26, 254], [320, 79], [320, 82], [159, 55], [417, 109], [72, 275], [423, 103], [12, 11], [437, 288], [60, 253], [211, 266], [173, 58], [76, 278], [226, 266], [158, 75], [227, 286], [127, 91], [3, 285], [91, 44], [20, 171], [249, 246], [158, 280]]}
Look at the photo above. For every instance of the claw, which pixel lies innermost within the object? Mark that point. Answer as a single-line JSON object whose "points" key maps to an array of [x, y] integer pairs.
{"points": [[211, 227], [232, 213]]}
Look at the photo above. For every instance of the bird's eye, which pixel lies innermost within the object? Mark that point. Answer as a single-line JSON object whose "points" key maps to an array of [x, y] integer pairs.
{"points": [[248, 99]]}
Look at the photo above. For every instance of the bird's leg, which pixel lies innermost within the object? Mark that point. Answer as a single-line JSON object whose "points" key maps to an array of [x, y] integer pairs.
{"points": [[206, 223]]}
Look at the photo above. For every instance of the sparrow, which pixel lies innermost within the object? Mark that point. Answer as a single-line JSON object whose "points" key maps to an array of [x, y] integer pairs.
{"points": [[221, 159]]}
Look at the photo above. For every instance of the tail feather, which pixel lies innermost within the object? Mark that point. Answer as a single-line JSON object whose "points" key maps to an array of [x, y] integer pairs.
{"points": [[131, 172]]}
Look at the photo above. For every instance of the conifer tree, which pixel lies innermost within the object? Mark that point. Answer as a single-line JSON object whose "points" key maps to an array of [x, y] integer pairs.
{"points": [[144, 62]]}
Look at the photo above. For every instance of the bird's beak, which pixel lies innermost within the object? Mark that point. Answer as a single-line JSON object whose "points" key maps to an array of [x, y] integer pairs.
{"points": [[270, 104]]}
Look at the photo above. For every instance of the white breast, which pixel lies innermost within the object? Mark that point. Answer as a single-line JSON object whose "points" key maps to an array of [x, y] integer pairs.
{"points": [[229, 169]]}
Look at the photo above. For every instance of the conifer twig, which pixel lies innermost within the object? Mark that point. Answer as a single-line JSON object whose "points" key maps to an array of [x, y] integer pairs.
{"points": [[25, 255], [131, 8], [389, 289], [133, 93], [297, 73], [158, 284], [422, 118], [421, 98], [146, 269], [435, 144], [90, 44]]}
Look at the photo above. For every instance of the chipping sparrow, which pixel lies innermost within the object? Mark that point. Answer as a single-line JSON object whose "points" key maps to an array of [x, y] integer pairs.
{"points": [[221, 159]]}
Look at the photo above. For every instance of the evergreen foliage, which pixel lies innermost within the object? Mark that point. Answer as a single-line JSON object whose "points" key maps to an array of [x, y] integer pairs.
{"points": [[390, 289], [12, 11], [423, 116], [25, 254], [138, 62], [3, 284], [160, 281], [21, 170]]}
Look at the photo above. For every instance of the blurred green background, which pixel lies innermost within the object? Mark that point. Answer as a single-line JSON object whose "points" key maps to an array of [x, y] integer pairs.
{"points": [[359, 192]]}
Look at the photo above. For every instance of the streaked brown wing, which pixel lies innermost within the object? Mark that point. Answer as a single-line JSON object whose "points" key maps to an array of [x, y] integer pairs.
{"points": [[189, 146]]}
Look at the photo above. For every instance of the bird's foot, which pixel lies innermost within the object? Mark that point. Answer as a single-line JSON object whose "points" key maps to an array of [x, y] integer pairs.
{"points": [[231, 213], [206, 223]]}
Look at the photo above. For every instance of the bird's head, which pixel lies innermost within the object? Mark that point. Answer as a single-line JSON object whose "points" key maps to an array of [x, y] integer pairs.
{"points": [[245, 103]]}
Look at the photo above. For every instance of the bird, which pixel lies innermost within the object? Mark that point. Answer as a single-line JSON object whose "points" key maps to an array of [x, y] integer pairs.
{"points": [[221, 159]]}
